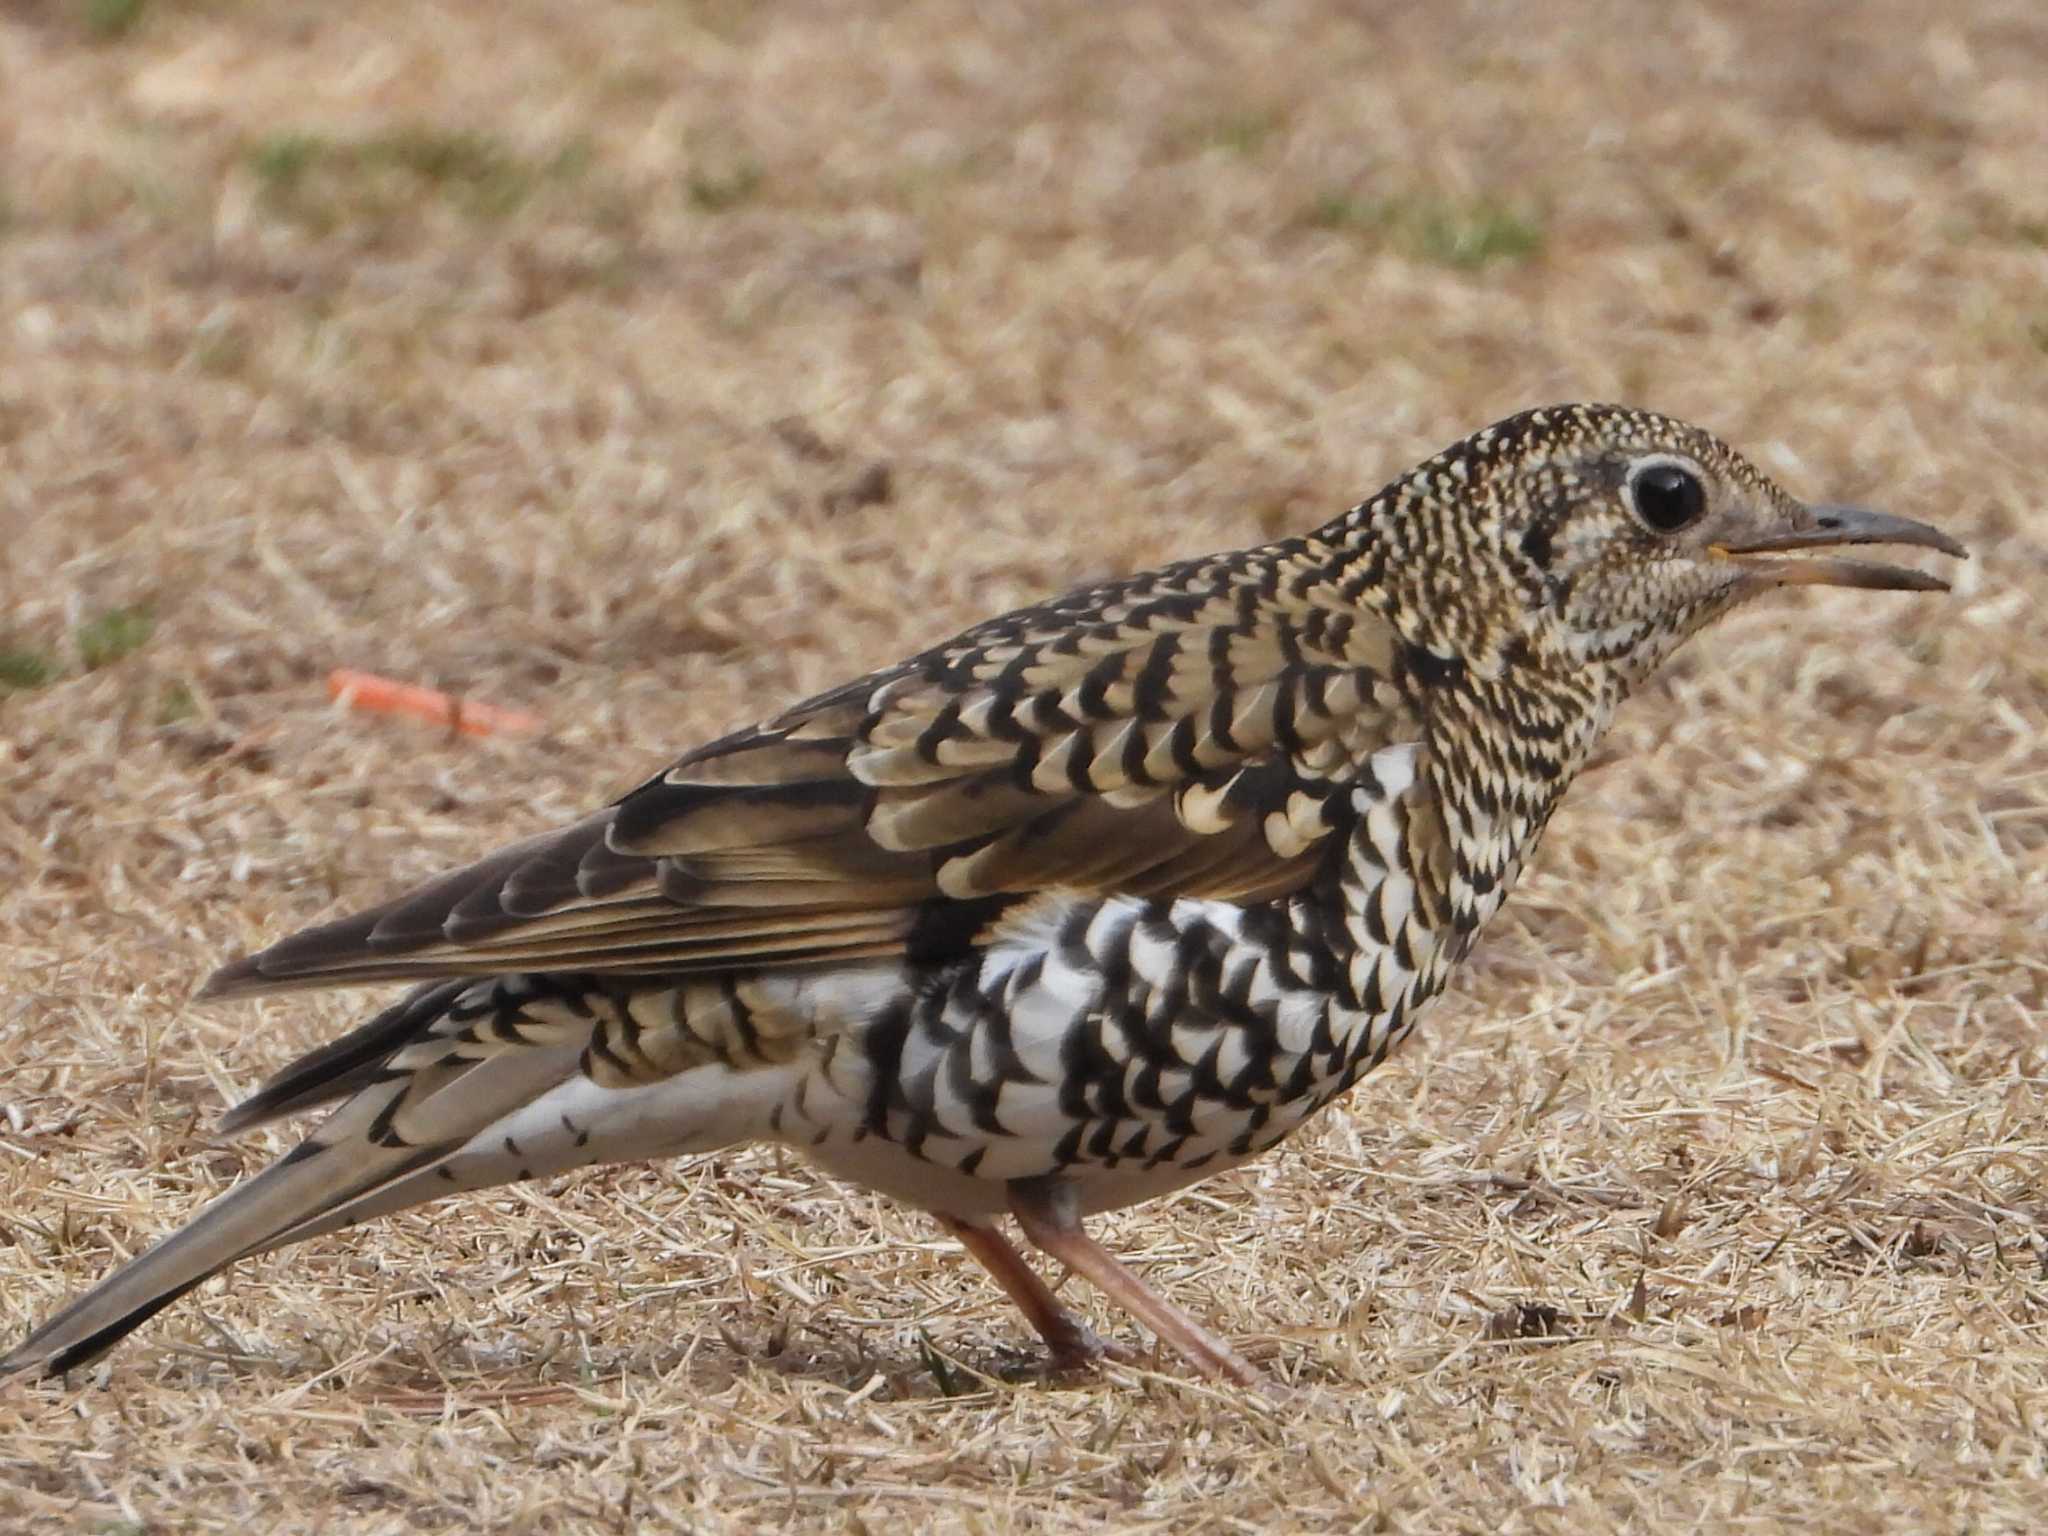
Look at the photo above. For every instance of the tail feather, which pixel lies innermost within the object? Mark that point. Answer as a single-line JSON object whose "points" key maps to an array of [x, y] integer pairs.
{"points": [[457, 1087], [343, 1066], [451, 1075], [246, 1219]]}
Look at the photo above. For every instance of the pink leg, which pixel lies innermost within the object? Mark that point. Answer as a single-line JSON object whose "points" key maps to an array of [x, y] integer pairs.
{"points": [[1072, 1342], [1050, 1218]]}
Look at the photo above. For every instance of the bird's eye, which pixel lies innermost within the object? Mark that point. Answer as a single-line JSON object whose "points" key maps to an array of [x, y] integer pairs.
{"points": [[1667, 496]]}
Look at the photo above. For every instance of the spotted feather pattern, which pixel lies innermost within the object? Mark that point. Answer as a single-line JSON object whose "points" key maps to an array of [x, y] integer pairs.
{"points": [[1100, 897]]}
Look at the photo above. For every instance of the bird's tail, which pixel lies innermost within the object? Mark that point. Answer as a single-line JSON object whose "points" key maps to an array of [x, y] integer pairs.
{"points": [[460, 1086]]}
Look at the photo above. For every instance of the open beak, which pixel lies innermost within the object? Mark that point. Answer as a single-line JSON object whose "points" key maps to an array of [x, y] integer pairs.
{"points": [[1825, 527]]}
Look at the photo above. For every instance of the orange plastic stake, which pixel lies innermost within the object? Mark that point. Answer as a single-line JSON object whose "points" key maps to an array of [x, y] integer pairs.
{"points": [[386, 696]]}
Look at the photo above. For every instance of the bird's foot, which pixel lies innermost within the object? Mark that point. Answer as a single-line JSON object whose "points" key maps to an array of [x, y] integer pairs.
{"points": [[1074, 1346], [1047, 1213]]}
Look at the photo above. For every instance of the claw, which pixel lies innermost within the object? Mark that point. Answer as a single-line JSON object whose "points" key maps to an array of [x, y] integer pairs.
{"points": [[1074, 1346]]}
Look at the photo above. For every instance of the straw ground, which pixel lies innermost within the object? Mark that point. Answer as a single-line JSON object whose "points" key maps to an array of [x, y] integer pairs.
{"points": [[644, 366]]}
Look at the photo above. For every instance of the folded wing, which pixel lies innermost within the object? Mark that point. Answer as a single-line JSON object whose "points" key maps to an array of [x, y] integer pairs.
{"points": [[1183, 733]]}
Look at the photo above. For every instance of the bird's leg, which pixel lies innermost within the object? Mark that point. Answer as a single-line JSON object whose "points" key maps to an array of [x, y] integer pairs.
{"points": [[1049, 1214], [1072, 1342]]}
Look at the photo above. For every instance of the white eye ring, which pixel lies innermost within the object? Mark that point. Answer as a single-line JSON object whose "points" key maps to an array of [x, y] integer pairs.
{"points": [[1665, 492]]}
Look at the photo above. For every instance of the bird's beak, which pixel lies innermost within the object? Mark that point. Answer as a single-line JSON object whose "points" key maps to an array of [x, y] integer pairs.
{"points": [[1824, 527]]}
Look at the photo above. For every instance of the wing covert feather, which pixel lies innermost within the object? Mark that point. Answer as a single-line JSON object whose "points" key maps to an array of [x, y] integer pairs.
{"points": [[1190, 732]]}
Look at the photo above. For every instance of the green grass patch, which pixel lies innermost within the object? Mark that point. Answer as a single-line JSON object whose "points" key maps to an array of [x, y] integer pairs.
{"points": [[470, 169], [1341, 210], [326, 184], [1475, 235], [176, 705], [21, 668], [1453, 234], [2030, 231], [281, 160], [105, 639], [715, 191], [109, 19]]}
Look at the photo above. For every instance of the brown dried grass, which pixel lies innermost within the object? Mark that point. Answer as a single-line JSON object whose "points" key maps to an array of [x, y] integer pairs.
{"points": [[548, 352]]}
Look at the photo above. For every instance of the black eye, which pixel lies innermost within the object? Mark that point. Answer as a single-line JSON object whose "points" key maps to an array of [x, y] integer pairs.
{"points": [[1667, 497]]}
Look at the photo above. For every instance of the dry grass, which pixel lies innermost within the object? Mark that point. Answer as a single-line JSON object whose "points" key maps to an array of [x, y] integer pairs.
{"points": [[648, 365]]}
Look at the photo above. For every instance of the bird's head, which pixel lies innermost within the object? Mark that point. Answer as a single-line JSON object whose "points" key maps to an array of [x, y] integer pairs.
{"points": [[1610, 536]]}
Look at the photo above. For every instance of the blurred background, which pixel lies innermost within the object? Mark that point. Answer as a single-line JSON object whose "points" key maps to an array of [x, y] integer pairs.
{"points": [[645, 366]]}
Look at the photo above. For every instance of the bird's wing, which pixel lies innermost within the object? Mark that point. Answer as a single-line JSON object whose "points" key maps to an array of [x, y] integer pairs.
{"points": [[1189, 732]]}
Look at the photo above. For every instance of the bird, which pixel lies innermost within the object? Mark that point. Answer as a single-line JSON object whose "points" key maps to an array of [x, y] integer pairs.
{"points": [[1095, 900]]}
